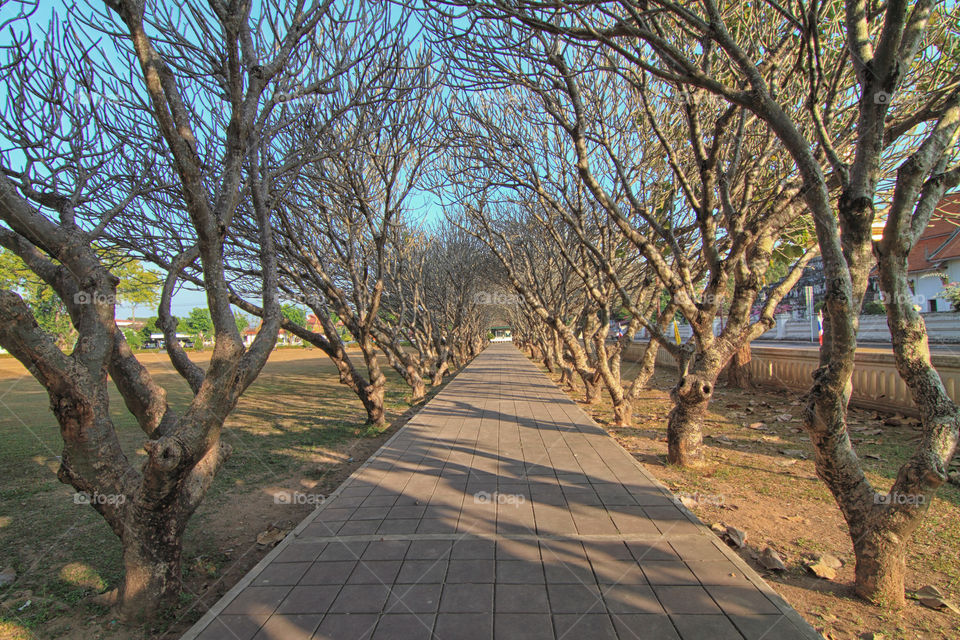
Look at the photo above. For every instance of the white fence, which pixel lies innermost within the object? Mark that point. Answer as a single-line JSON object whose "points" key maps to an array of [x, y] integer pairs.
{"points": [[876, 383]]}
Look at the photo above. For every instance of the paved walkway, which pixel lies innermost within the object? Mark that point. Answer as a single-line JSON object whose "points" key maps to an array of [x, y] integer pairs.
{"points": [[501, 511]]}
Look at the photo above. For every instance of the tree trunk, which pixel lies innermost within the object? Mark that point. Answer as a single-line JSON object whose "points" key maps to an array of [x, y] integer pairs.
{"points": [[881, 564], [690, 398], [152, 557], [593, 388], [623, 412], [417, 388], [738, 370], [648, 364], [548, 359], [371, 395], [441, 371]]}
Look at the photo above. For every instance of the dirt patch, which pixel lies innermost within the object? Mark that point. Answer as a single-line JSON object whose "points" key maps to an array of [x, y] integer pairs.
{"points": [[761, 479]]}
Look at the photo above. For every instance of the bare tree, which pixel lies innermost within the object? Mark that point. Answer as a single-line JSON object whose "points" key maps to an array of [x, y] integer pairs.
{"points": [[707, 229], [876, 119], [167, 155]]}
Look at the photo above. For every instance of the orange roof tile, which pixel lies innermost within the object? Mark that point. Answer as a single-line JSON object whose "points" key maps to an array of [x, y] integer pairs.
{"points": [[941, 239]]}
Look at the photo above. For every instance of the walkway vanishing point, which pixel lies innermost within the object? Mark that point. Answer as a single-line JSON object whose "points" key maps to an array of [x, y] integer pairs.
{"points": [[501, 511]]}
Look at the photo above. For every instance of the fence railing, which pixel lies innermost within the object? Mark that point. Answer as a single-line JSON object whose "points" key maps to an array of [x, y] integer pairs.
{"points": [[876, 383]]}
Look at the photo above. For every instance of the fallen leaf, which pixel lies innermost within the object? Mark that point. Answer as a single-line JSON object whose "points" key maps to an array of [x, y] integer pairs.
{"points": [[771, 560], [931, 597], [271, 536], [831, 561], [784, 417], [794, 453], [822, 571], [757, 426], [736, 537]]}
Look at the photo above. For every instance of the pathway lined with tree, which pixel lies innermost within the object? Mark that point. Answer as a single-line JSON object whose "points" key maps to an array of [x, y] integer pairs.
{"points": [[501, 511]]}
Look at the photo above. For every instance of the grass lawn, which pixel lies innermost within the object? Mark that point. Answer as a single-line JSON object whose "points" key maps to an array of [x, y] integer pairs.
{"points": [[762, 481], [296, 429]]}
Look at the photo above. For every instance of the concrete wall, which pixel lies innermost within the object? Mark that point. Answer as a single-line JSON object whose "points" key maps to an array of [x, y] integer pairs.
{"points": [[876, 384]]}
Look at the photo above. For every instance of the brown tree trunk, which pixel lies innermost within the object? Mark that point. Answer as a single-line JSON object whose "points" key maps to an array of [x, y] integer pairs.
{"points": [[690, 396], [623, 412], [738, 369], [371, 396], [441, 371], [152, 557], [593, 388], [648, 365], [881, 564]]}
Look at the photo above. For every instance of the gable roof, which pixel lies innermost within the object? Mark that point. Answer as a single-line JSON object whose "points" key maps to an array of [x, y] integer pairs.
{"points": [[941, 239]]}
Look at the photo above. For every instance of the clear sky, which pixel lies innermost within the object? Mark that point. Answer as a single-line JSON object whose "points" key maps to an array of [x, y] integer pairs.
{"points": [[423, 207]]}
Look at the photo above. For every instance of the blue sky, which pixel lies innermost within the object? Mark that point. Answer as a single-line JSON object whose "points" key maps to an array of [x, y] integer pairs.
{"points": [[423, 206]]}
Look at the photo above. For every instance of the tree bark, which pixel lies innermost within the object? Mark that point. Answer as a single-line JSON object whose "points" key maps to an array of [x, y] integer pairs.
{"points": [[690, 396], [738, 369], [152, 558]]}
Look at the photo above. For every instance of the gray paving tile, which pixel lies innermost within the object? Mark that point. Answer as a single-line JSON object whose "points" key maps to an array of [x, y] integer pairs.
{"points": [[232, 627], [404, 626], [575, 598], [742, 600], [347, 626], [448, 550], [257, 601], [690, 600], [644, 626], [463, 626], [631, 598], [289, 627], [309, 599], [470, 571], [521, 598], [766, 627], [596, 626], [281, 573], [361, 598], [522, 626], [328, 572], [707, 627], [467, 598]]}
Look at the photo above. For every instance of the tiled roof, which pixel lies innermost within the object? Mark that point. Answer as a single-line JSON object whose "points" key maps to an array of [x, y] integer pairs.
{"points": [[941, 239]]}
